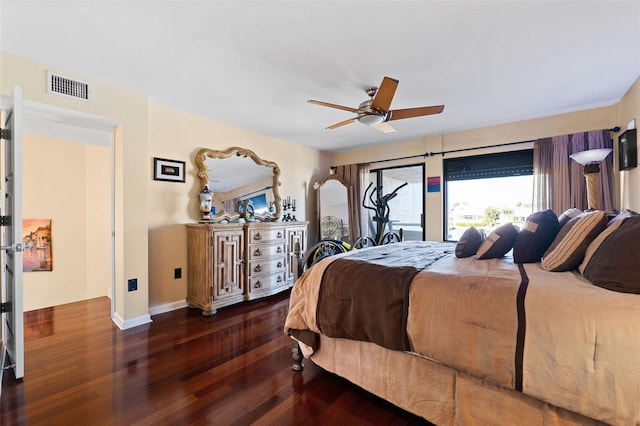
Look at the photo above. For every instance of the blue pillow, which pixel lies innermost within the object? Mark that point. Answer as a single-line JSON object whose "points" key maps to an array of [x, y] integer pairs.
{"points": [[469, 242], [498, 243], [535, 237]]}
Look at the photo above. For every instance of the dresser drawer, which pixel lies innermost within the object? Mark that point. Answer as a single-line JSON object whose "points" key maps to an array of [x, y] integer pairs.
{"points": [[266, 266], [266, 235], [263, 251], [267, 283]]}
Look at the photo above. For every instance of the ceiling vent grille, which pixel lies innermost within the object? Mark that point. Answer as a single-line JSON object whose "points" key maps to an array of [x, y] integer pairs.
{"points": [[65, 86]]}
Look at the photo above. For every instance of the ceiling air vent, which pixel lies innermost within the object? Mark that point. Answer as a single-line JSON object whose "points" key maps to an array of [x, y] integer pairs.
{"points": [[65, 86]]}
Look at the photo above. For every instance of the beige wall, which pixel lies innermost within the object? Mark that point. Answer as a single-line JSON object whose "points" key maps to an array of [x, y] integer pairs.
{"points": [[179, 135], [68, 183], [150, 215], [598, 118], [131, 159]]}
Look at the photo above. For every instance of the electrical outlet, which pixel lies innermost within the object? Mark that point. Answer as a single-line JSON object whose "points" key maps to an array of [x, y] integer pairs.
{"points": [[133, 284], [177, 273]]}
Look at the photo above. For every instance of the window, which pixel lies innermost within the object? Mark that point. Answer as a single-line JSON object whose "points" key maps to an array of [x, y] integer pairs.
{"points": [[487, 190], [406, 208]]}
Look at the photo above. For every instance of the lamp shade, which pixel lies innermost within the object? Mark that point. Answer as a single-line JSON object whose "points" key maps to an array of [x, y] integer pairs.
{"points": [[591, 156]]}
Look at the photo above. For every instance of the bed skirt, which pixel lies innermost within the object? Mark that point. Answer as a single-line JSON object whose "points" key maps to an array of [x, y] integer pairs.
{"points": [[440, 394]]}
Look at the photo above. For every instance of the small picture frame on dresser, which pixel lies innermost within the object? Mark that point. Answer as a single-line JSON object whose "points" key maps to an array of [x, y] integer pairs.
{"points": [[168, 170]]}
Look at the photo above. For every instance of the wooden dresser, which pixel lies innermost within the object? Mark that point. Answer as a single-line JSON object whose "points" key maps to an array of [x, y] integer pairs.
{"points": [[231, 263]]}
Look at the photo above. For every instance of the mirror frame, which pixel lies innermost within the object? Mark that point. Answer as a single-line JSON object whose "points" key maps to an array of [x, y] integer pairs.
{"points": [[200, 162], [318, 186]]}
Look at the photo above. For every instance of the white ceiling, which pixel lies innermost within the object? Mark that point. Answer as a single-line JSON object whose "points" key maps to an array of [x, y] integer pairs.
{"points": [[255, 64]]}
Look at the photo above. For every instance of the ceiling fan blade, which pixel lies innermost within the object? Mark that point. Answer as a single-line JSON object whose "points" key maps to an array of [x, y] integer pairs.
{"points": [[384, 96], [342, 123], [327, 104], [399, 114], [384, 127]]}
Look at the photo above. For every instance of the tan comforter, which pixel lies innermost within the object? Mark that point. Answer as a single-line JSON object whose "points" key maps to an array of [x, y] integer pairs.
{"points": [[451, 315], [553, 336]]}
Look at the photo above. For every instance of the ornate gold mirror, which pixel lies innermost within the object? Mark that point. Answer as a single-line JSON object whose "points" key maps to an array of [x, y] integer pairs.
{"points": [[333, 208], [237, 177]]}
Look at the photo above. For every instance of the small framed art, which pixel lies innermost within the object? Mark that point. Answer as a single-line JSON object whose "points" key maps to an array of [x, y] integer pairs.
{"points": [[36, 238], [168, 170]]}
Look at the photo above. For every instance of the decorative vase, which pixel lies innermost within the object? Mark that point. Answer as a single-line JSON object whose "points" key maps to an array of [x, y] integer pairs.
{"points": [[206, 200]]}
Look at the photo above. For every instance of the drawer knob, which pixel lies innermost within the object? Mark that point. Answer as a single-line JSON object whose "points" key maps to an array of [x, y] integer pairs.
{"points": [[258, 284], [258, 236], [258, 268], [279, 234], [279, 279], [279, 250], [279, 265], [258, 252]]}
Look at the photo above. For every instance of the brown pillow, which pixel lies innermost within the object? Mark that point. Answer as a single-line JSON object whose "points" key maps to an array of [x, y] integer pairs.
{"points": [[612, 260], [469, 242], [498, 243], [567, 215], [535, 237], [568, 248]]}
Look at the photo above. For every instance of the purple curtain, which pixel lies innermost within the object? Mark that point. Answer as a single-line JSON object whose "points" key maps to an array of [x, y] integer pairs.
{"points": [[561, 189], [602, 139], [542, 175], [559, 181], [578, 197]]}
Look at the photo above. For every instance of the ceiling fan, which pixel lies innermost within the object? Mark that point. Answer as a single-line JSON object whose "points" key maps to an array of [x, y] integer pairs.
{"points": [[375, 112]]}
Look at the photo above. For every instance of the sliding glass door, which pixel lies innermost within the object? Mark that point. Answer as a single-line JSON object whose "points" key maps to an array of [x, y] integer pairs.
{"points": [[406, 207]]}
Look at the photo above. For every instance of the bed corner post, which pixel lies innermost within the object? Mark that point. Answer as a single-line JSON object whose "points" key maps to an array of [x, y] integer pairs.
{"points": [[297, 357]]}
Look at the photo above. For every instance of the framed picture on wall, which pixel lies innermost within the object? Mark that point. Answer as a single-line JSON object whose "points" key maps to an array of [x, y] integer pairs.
{"points": [[168, 170], [36, 237]]}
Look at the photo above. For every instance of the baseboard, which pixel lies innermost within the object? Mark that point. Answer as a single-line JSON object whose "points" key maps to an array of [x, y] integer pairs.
{"points": [[134, 322], [168, 307]]}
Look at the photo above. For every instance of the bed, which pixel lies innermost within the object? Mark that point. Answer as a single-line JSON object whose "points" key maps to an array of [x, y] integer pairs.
{"points": [[460, 339]]}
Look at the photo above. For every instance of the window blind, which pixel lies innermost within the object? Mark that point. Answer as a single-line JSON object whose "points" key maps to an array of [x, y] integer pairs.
{"points": [[503, 164]]}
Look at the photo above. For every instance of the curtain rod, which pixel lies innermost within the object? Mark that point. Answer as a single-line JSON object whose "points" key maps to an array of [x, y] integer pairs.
{"points": [[478, 147], [431, 154]]}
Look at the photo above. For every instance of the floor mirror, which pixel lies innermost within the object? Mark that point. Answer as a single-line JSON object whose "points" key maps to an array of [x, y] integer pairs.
{"points": [[333, 208]]}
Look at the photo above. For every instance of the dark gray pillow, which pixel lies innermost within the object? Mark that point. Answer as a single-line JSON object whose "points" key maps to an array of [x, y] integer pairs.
{"points": [[469, 242], [535, 237], [612, 260], [498, 243]]}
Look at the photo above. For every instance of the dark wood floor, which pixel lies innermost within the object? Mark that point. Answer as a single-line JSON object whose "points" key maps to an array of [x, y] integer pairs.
{"points": [[183, 368]]}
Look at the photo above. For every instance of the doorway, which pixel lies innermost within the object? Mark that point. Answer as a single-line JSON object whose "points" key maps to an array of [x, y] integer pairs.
{"points": [[66, 212], [69, 178]]}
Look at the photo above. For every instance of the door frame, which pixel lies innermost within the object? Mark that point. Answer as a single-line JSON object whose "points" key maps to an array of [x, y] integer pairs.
{"points": [[12, 254], [49, 121], [379, 171]]}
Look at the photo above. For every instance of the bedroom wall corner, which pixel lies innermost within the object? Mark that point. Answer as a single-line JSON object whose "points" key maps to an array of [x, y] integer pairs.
{"points": [[628, 182]]}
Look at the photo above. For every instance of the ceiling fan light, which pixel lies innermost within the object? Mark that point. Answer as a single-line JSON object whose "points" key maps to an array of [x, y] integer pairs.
{"points": [[371, 119]]}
